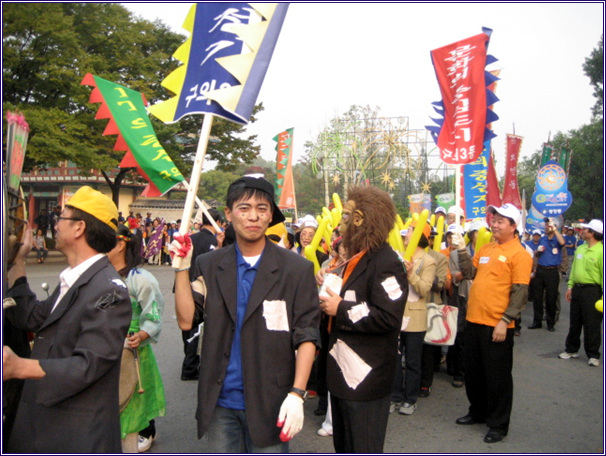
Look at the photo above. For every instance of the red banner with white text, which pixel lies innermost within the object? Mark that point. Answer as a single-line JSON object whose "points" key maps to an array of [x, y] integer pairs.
{"points": [[511, 191]]}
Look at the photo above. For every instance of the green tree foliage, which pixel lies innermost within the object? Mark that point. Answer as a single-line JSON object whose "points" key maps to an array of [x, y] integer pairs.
{"points": [[586, 173], [47, 50], [594, 69]]}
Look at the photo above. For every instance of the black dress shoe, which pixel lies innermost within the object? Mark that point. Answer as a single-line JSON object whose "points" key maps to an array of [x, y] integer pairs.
{"points": [[494, 435], [535, 326], [468, 419], [550, 329]]}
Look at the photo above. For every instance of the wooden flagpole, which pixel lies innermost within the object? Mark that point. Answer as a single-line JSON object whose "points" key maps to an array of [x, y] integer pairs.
{"points": [[194, 181]]}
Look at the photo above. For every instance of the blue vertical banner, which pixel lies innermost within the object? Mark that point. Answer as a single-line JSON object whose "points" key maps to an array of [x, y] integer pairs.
{"points": [[475, 184]]}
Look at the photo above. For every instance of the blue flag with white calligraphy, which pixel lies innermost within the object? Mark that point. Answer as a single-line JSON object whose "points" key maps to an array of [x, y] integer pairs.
{"points": [[225, 60]]}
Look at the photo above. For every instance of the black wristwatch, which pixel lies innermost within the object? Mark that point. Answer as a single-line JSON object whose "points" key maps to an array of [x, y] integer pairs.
{"points": [[299, 392]]}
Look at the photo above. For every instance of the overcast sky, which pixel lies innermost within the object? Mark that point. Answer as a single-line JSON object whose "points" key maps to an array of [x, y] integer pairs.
{"points": [[330, 56]]}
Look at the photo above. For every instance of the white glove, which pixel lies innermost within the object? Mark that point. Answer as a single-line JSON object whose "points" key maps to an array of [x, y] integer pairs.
{"points": [[290, 418], [8, 302], [181, 251], [457, 240]]}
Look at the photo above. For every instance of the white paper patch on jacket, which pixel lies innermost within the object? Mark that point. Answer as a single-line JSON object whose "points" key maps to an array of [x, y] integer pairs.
{"points": [[356, 313], [275, 315], [354, 368], [405, 321], [392, 288], [350, 295], [119, 283]]}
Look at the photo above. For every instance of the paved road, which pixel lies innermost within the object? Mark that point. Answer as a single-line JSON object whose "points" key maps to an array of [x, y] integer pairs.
{"points": [[558, 404]]}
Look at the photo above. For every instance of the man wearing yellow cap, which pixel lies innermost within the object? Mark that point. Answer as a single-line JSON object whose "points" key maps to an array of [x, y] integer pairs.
{"points": [[70, 396]]}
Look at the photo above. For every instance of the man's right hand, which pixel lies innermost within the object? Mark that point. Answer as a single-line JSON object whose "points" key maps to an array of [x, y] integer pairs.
{"points": [[457, 240], [181, 251]]}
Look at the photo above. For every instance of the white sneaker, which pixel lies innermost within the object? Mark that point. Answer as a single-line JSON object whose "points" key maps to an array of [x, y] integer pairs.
{"points": [[407, 409], [144, 443], [393, 406], [566, 355], [593, 362], [323, 432]]}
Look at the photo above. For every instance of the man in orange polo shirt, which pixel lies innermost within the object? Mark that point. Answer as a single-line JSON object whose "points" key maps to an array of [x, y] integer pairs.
{"points": [[501, 272]]}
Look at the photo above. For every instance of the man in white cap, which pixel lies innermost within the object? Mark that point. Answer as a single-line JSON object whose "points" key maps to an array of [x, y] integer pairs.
{"points": [[547, 276], [501, 272], [585, 287], [70, 397]]}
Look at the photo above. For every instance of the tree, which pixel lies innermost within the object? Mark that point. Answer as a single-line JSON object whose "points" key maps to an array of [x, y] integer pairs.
{"points": [[594, 69], [104, 39]]}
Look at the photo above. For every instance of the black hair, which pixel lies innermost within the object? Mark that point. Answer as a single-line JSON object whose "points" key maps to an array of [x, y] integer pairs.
{"points": [[598, 236], [215, 214], [99, 236], [238, 193], [230, 235], [132, 254], [423, 242]]}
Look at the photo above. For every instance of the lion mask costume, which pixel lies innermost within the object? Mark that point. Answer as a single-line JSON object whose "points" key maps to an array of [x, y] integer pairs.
{"points": [[368, 217]]}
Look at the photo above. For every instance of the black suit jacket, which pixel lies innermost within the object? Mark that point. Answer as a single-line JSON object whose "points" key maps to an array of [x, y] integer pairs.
{"points": [[366, 328], [284, 285], [74, 407]]}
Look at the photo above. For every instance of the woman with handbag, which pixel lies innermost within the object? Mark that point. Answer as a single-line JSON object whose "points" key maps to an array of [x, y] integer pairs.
{"points": [[421, 272]]}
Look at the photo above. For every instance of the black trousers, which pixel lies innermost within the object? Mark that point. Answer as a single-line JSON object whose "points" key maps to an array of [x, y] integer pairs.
{"points": [[547, 280], [359, 426], [584, 316], [191, 363], [431, 353], [488, 377]]}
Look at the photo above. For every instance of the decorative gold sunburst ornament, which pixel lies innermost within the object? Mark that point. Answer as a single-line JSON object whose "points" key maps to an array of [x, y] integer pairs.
{"points": [[385, 178], [336, 179], [391, 185], [426, 187]]}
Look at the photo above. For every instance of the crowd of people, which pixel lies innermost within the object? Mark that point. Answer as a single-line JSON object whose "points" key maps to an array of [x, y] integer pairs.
{"points": [[265, 324]]}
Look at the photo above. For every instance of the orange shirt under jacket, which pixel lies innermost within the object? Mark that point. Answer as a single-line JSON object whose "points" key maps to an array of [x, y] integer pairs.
{"points": [[499, 266]]}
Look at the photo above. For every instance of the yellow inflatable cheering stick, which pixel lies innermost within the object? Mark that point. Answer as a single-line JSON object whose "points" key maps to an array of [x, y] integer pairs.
{"points": [[310, 250], [484, 237], [337, 202], [416, 234], [599, 305], [437, 241], [395, 239]]}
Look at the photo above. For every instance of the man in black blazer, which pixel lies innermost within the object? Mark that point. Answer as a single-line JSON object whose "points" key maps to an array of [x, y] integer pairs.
{"points": [[70, 397], [261, 319], [366, 321]]}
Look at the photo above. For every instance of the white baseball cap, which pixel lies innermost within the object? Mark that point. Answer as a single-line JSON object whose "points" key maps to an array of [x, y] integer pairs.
{"points": [[454, 228], [456, 210], [537, 231], [594, 225], [440, 209], [507, 210], [477, 224]]}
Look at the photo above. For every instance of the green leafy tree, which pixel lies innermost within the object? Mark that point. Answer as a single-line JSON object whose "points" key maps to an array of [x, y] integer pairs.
{"points": [[586, 173], [594, 69], [47, 50]]}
